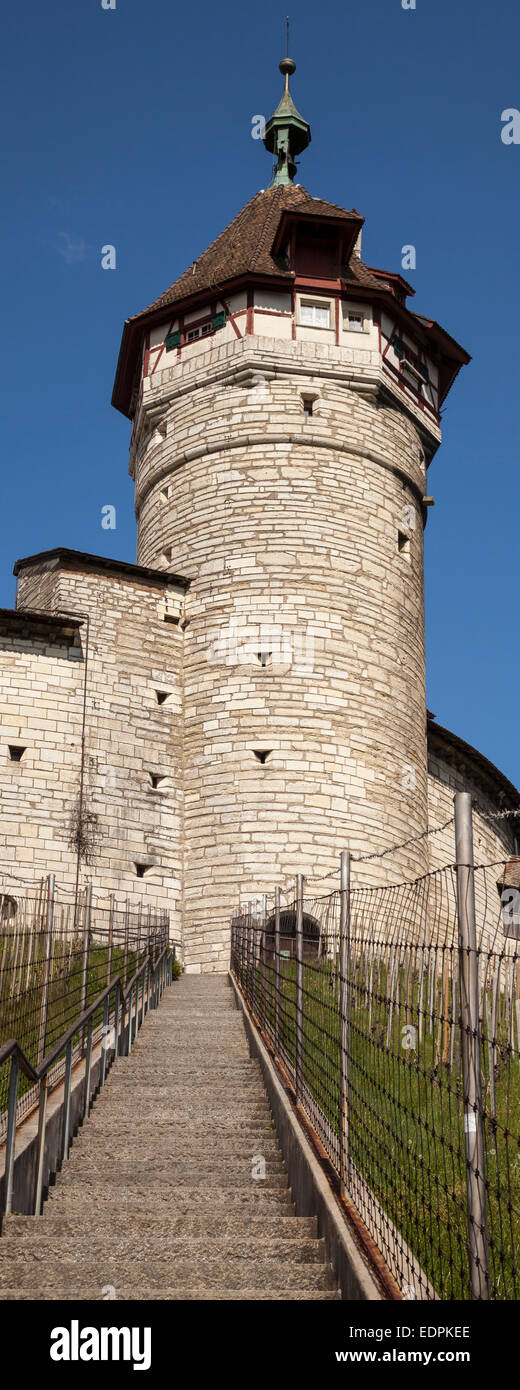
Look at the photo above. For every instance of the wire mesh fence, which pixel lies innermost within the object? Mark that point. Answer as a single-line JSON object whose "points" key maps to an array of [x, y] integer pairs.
{"points": [[364, 997], [55, 958]]}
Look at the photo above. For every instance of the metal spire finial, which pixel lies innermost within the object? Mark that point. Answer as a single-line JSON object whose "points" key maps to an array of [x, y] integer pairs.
{"points": [[286, 133]]}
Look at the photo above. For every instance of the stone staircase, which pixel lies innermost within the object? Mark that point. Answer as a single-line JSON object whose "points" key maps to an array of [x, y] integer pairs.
{"points": [[158, 1199]]}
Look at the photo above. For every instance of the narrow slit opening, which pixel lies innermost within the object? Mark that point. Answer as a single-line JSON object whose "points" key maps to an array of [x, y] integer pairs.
{"points": [[16, 752]]}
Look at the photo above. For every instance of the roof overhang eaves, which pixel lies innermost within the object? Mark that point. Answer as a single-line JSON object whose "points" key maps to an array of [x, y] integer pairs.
{"points": [[133, 328], [448, 347], [78, 560], [16, 617], [393, 276]]}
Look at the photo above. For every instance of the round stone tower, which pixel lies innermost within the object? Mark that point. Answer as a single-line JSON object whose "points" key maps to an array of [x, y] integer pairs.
{"points": [[285, 404]]}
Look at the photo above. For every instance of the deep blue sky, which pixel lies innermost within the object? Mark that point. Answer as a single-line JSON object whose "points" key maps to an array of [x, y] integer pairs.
{"points": [[132, 127]]}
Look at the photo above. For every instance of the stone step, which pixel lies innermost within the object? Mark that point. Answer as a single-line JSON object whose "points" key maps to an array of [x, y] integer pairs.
{"points": [[253, 1118], [169, 1225], [110, 1252], [232, 1273], [158, 1200], [189, 1028], [239, 1094], [172, 1102], [178, 1143], [169, 1116], [167, 1077], [159, 1172], [169, 1112], [146, 1295], [206, 1013], [208, 1088], [89, 1196], [143, 1064], [207, 1149], [189, 1074]]}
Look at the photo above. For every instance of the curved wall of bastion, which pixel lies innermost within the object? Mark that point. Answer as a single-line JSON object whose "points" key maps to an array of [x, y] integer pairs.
{"points": [[288, 527]]}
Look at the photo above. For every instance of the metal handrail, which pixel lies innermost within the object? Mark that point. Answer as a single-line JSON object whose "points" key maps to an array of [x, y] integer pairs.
{"points": [[154, 980]]}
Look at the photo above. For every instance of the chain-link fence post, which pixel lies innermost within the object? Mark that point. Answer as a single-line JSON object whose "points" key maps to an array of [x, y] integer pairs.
{"points": [[110, 937], [277, 970], [262, 964], [125, 946], [250, 956], [471, 1062], [86, 942], [299, 987], [344, 1017], [51, 881]]}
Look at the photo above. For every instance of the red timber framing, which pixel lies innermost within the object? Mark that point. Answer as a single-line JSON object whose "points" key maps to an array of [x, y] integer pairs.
{"points": [[153, 355], [431, 340], [416, 358], [250, 319], [377, 322]]}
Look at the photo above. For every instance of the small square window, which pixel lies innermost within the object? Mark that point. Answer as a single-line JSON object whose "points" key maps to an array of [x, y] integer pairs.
{"points": [[314, 313], [192, 334], [355, 323]]}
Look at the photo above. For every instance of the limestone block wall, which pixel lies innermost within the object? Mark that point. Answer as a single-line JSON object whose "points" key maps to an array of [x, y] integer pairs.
{"points": [[493, 840], [303, 539], [40, 710], [129, 650]]}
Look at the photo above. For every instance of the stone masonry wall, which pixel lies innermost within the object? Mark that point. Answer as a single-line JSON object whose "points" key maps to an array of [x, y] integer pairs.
{"points": [[493, 841], [132, 653], [288, 526]]}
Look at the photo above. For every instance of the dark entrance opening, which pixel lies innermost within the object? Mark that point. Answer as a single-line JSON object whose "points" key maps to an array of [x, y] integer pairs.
{"points": [[311, 936]]}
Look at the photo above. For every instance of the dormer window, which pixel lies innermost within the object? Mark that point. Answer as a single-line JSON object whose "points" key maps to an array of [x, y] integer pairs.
{"points": [[315, 313], [317, 251]]}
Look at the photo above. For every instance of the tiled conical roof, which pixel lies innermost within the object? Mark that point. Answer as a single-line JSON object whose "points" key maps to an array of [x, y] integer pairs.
{"points": [[252, 247], [244, 247]]}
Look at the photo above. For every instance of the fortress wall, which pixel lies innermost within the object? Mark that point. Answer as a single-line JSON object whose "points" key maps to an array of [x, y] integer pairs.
{"points": [[493, 841], [292, 544], [132, 652], [40, 709]]}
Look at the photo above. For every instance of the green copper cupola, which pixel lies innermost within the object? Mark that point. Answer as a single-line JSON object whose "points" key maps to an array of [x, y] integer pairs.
{"points": [[286, 133]]}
